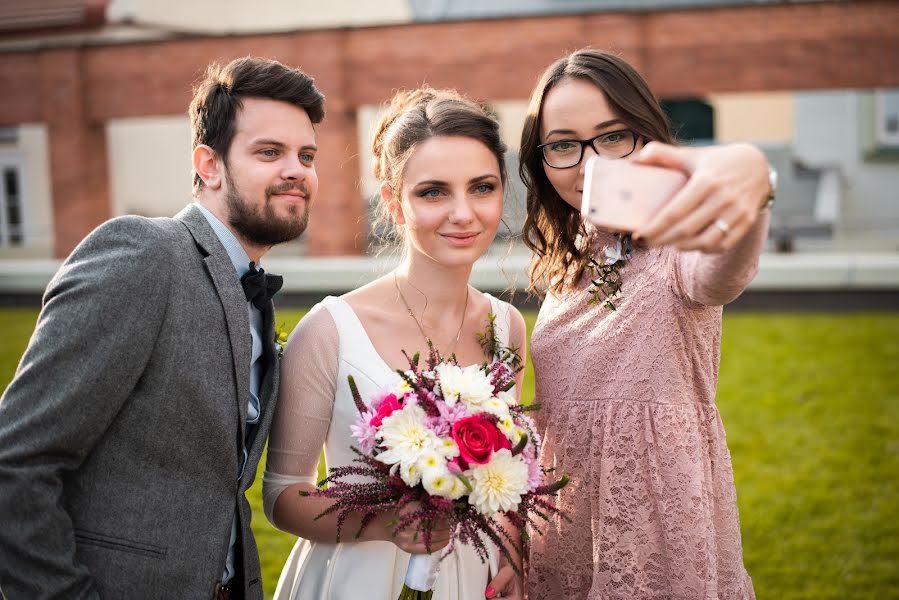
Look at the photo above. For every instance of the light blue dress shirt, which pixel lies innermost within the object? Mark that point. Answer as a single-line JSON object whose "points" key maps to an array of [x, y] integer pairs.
{"points": [[241, 262]]}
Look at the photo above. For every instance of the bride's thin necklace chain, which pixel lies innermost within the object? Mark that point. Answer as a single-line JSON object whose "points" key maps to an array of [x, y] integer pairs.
{"points": [[418, 323]]}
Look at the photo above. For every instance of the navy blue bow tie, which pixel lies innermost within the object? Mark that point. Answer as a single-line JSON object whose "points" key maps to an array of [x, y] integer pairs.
{"points": [[259, 287]]}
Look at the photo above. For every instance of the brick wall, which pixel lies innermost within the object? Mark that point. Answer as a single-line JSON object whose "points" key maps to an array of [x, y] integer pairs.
{"points": [[682, 53]]}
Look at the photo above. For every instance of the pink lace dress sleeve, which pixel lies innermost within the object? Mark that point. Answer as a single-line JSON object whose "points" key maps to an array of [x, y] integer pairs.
{"points": [[717, 279]]}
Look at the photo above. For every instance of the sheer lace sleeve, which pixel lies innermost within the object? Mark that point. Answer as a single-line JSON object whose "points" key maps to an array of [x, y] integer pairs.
{"points": [[717, 279], [306, 399]]}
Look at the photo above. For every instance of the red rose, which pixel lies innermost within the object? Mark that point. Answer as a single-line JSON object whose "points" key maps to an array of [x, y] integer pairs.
{"points": [[478, 438], [385, 409]]}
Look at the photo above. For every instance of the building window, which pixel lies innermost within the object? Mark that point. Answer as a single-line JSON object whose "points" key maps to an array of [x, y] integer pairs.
{"points": [[887, 115], [692, 120], [12, 228]]}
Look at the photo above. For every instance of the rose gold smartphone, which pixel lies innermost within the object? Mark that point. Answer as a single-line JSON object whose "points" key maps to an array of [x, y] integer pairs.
{"points": [[621, 195]]}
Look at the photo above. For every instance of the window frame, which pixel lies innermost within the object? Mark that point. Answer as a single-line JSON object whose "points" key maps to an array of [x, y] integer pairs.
{"points": [[15, 162], [884, 138]]}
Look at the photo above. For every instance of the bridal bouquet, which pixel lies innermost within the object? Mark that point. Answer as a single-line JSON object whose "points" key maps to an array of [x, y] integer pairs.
{"points": [[453, 440]]}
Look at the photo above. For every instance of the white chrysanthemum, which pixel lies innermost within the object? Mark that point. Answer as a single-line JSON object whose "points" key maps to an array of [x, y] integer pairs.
{"points": [[507, 397], [439, 482], [494, 406], [402, 387], [457, 490], [498, 485], [410, 473], [470, 385], [447, 447], [405, 436], [430, 460], [512, 431]]}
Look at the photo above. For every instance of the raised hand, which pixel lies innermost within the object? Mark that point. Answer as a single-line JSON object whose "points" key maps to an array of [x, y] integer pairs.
{"points": [[721, 200]]}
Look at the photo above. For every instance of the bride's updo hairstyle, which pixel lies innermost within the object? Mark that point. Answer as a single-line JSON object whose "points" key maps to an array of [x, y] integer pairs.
{"points": [[413, 117]]}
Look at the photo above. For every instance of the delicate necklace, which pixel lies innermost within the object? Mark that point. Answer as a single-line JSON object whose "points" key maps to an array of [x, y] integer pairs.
{"points": [[606, 278], [422, 329]]}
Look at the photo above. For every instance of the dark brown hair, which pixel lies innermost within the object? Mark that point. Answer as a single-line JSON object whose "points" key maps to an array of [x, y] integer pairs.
{"points": [[418, 115], [217, 98], [552, 228]]}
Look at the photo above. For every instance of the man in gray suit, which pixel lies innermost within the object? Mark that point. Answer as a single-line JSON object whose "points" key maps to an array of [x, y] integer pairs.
{"points": [[139, 411]]}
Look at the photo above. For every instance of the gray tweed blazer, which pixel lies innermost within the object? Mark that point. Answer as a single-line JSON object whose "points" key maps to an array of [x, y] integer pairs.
{"points": [[122, 433]]}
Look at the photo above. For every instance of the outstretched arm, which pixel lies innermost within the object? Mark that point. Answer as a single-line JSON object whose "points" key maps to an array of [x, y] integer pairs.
{"points": [[718, 279], [716, 220], [721, 201]]}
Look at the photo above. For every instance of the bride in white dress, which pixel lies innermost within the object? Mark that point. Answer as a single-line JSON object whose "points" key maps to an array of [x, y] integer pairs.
{"points": [[439, 159]]}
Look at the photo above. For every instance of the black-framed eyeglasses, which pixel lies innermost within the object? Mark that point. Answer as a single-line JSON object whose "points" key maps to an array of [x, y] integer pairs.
{"points": [[564, 154]]}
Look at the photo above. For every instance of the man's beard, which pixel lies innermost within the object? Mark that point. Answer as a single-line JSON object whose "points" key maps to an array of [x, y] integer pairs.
{"points": [[260, 225]]}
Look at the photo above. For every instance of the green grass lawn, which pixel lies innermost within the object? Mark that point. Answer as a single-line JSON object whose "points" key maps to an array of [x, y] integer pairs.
{"points": [[811, 406]]}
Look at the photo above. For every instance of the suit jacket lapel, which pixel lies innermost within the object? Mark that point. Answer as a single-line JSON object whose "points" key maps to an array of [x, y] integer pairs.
{"points": [[268, 342], [233, 300]]}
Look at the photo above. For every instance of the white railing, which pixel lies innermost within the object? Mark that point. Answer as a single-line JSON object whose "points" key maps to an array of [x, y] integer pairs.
{"points": [[798, 271]]}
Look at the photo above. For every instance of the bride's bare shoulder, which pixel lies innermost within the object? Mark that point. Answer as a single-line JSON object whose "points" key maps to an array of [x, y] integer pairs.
{"points": [[374, 300]]}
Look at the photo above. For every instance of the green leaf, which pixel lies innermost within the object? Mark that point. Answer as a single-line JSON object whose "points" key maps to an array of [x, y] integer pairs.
{"points": [[465, 482]]}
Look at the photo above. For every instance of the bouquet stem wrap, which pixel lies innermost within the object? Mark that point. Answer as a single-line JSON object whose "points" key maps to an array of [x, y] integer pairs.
{"points": [[421, 574]]}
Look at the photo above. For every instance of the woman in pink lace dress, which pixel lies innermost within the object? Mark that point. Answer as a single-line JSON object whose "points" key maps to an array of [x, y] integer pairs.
{"points": [[628, 393]]}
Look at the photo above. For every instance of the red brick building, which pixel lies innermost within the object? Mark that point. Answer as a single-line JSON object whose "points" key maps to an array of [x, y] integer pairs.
{"points": [[75, 84]]}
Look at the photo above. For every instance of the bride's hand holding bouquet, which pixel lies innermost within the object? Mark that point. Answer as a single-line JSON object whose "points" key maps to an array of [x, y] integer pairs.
{"points": [[448, 456]]}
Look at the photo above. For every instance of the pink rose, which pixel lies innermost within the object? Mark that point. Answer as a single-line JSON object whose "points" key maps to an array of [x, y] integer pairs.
{"points": [[389, 404], [478, 438]]}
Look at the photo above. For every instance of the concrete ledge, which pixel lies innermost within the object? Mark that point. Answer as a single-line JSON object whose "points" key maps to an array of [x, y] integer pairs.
{"points": [[786, 272], [318, 276], [26, 276], [827, 271]]}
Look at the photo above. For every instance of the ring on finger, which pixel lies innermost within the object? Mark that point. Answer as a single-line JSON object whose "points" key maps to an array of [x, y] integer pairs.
{"points": [[722, 226]]}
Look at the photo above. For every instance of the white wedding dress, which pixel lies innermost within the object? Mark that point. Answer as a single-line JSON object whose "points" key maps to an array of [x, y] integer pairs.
{"points": [[317, 411]]}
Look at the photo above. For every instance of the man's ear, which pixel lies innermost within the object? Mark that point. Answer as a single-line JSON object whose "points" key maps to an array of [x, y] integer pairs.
{"points": [[393, 204], [207, 166]]}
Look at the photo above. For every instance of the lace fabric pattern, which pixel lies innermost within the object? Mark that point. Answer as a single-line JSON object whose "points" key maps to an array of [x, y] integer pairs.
{"points": [[628, 412]]}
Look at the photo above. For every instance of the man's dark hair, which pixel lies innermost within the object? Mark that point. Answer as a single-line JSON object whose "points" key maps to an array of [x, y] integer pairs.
{"points": [[218, 96]]}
